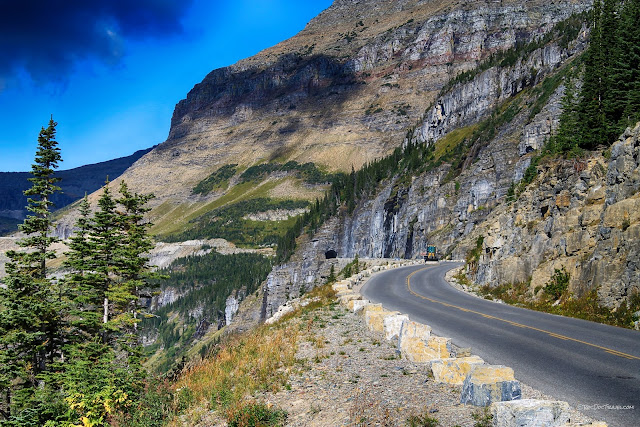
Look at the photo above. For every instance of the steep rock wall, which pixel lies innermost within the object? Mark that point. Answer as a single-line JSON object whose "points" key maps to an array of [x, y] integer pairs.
{"points": [[582, 215], [468, 102], [404, 217]]}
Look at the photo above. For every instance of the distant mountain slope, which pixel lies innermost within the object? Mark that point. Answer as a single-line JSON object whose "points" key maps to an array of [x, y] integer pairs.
{"points": [[75, 183]]}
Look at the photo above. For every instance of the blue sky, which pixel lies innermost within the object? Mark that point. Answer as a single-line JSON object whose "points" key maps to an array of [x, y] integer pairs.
{"points": [[110, 72]]}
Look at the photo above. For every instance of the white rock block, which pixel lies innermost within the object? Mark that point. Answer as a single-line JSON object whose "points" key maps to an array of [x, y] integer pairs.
{"points": [[530, 412], [357, 305], [393, 325]]}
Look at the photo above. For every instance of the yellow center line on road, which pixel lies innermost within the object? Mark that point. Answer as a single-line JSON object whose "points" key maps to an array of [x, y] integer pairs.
{"points": [[519, 325]]}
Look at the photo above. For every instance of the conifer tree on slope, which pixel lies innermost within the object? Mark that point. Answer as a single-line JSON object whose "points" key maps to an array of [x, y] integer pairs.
{"points": [[32, 303], [85, 318], [590, 111], [627, 71], [105, 369]]}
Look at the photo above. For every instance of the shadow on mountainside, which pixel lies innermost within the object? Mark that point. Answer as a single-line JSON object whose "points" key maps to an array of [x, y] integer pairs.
{"points": [[294, 83]]}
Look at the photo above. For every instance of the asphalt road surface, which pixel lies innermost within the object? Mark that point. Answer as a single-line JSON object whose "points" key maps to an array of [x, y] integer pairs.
{"points": [[594, 367]]}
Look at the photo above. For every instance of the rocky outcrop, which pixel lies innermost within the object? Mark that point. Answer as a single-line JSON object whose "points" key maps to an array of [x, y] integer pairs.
{"points": [[275, 215], [231, 308], [467, 103], [581, 215], [164, 254]]}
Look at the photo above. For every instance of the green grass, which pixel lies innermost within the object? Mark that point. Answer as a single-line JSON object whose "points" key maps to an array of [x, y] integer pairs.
{"points": [[452, 139], [174, 219], [229, 222]]}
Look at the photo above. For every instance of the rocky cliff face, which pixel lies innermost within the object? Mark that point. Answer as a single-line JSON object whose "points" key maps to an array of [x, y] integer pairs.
{"points": [[405, 216], [582, 215], [344, 91]]}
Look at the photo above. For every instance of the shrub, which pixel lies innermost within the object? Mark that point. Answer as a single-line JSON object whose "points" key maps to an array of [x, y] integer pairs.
{"points": [[483, 418], [217, 180], [422, 421], [256, 414], [558, 285]]}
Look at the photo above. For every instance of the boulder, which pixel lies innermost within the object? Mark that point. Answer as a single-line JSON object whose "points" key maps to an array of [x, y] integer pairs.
{"points": [[343, 293], [344, 299], [412, 342], [454, 370], [393, 325], [421, 350], [338, 287], [371, 307], [417, 351], [462, 352], [411, 329], [530, 412], [375, 319], [490, 383], [440, 345], [357, 305]]}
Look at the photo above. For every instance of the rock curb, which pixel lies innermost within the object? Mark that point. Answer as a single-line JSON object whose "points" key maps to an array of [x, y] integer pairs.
{"points": [[483, 385]]}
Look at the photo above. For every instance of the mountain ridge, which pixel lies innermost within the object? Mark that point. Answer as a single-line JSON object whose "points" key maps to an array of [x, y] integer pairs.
{"points": [[75, 183]]}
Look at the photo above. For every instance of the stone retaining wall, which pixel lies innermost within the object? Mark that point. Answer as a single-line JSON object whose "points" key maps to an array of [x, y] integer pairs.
{"points": [[482, 384]]}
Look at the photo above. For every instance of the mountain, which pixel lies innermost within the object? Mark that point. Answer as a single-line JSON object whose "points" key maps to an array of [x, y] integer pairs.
{"points": [[340, 94], [472, 179], [75, 184]]}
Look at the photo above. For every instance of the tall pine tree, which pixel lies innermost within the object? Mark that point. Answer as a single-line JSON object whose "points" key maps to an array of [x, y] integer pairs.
{"points": [[628, 63], [590, 111], [32, 303], [109, 274]]}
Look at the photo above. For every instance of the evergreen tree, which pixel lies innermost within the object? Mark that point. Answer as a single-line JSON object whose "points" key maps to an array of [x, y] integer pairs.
{"points": [[611, 106], [108, 276], [133, 268], [82, 281], [565, 140], [32, 303], [627, 71], [590, 112], [104, 239]]}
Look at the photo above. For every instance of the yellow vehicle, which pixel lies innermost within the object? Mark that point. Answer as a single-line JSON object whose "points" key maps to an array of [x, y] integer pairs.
{"points": [[431, 254]]}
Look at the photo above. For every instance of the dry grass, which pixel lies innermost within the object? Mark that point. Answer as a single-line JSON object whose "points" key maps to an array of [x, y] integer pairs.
{"points": [[170, 219], [293, 189], [259, 360]]}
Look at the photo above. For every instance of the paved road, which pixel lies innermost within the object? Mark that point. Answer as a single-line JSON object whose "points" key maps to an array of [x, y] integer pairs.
{"points": [[594, 367]]}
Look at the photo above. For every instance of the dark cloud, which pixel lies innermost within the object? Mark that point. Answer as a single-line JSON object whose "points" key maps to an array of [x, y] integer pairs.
{"points": [[47, 37]]}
